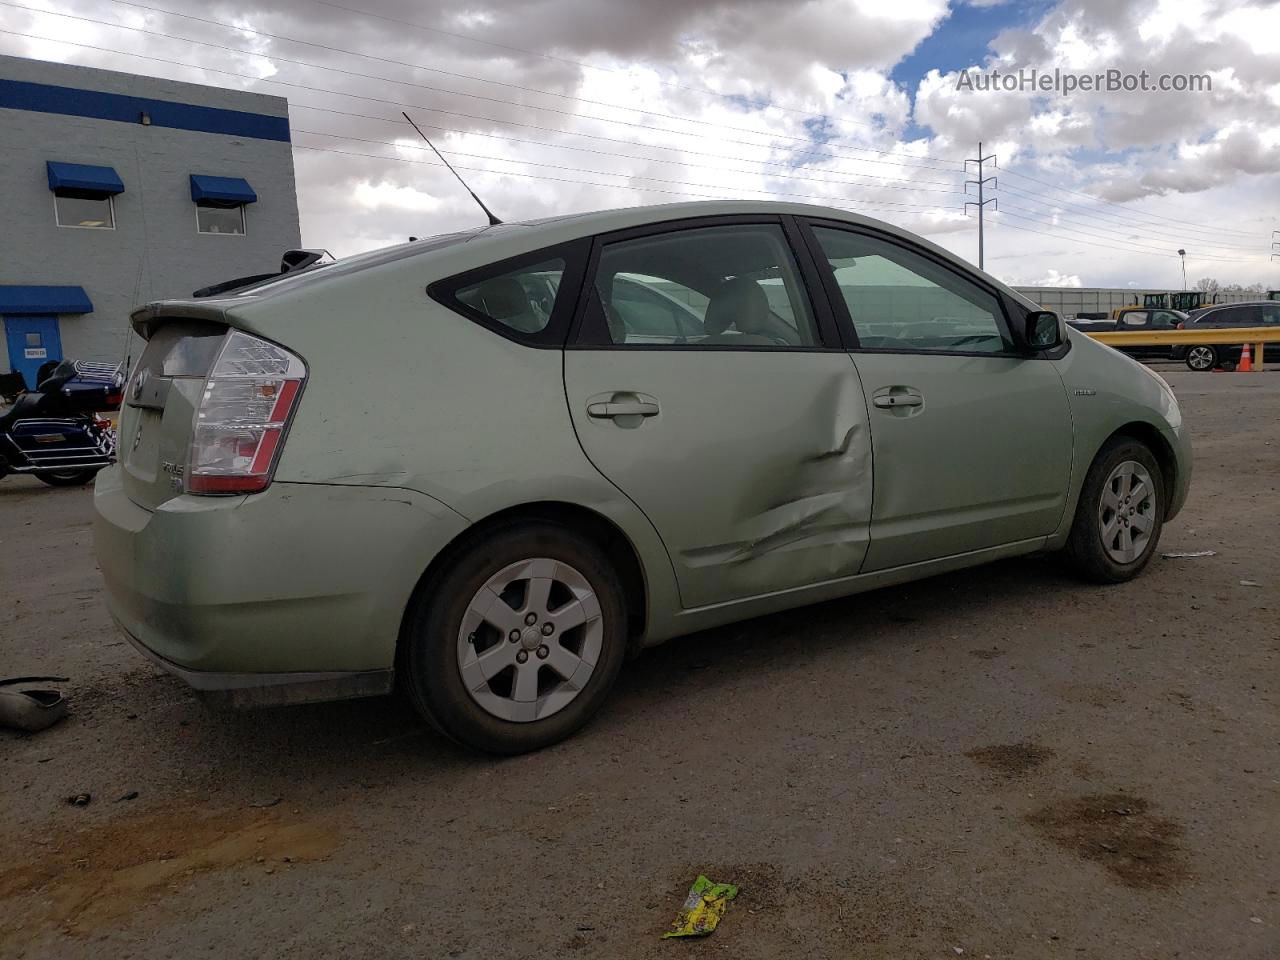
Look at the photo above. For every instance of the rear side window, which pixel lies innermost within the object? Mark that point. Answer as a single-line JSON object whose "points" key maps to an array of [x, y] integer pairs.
{"points": [[1242, 316], [1135, 318], [528, 298], [521, 299]]}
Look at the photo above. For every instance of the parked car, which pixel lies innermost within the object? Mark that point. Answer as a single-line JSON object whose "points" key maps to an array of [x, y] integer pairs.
{"points": [[420, 465], [1260, 313], [1140, 319]]}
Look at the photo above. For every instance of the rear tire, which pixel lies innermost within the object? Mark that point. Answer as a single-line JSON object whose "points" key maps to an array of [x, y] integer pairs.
{"points": [[1120, 513], [66, 478], [515, 696], [1202, 358]]}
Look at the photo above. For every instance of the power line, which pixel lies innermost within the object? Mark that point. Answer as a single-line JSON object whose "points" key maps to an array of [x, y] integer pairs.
{"points": [[1119, 206], [631, 176], [623, 156], [1092, 237], [1043, 233], [809, 142], [574, 133], [1160, 233], [587, 183]]}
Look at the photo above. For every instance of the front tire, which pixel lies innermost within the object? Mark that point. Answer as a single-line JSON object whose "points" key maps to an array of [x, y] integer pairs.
{"points": [[517, 641], [66, 478], [1202, 358], [1120, 513]]}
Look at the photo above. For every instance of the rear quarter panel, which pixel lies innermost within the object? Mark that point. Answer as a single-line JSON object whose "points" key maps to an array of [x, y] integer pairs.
{"points": [[402, 392]]}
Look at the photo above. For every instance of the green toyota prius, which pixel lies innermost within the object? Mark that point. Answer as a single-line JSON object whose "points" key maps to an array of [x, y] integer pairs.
{"points": [[487, 467]]}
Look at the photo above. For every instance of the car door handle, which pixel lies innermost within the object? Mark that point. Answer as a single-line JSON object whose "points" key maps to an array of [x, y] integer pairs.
{"points": [[622, 408], [890, 400]]}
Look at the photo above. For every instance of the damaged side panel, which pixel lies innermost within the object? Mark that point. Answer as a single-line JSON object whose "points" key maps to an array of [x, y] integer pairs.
{"points": [[756, 469]]}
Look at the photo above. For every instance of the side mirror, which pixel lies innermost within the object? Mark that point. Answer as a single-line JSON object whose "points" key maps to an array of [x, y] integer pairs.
{"points": [[1042, 330]]}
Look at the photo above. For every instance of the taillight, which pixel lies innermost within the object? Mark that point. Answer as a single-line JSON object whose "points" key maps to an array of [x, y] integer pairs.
{"points": [[248, 400], [1182, 325]]}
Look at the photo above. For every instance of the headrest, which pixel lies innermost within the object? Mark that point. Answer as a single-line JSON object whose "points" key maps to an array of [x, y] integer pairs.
{"points": [[740, 303]]}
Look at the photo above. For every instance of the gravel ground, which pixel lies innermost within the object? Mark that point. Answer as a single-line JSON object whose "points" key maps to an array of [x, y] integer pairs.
{"points": [[996, 763]]}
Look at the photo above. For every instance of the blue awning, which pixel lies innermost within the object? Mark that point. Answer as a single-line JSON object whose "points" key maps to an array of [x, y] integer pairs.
{"points": [[82, 176], [24, 299], [221, 189]]}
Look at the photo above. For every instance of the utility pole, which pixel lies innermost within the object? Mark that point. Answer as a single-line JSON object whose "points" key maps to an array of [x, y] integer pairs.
{"points": [[1183, 255], [982, 201]]}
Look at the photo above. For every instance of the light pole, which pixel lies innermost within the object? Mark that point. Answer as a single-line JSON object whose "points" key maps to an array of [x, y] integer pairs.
{"points": [[1183, 255]]}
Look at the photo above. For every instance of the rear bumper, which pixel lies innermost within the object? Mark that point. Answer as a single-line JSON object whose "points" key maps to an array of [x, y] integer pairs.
{"points": [[237, 690], [303, 585]]}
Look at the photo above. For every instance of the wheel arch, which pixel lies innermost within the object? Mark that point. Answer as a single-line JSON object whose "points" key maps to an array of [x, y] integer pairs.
{"points": [[600, 529], [1151, 437]]}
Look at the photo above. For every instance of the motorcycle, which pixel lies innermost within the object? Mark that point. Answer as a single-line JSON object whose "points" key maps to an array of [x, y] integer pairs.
{"points": [[54, 432]]}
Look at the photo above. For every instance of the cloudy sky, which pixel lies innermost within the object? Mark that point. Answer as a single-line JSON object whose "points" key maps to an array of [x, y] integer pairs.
{"points": [[553, 106]]}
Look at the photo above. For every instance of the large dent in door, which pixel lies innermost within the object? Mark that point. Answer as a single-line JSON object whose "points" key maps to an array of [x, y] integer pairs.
{"points": [[805, 516]]}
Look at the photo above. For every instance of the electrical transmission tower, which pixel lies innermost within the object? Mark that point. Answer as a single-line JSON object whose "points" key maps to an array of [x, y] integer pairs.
{"points": [[983, 200]]}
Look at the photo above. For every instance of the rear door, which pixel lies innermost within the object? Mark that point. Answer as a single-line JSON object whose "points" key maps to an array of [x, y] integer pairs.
{"points": [[709, 387], [972, 439]]}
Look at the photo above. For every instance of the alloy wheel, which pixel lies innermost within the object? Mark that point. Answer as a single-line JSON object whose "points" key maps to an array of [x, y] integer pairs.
{"points": [[1200, 358], [530, 639], [1127, 511]]}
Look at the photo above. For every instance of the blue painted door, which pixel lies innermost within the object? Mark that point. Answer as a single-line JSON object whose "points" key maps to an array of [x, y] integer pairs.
{"points": [[32, 342]]}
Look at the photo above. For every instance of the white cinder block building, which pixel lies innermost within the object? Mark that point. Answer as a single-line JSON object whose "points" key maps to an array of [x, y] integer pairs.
{"points": [[118, 189]]}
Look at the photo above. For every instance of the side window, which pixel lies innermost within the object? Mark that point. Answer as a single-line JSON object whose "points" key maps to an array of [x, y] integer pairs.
{"points": [[1237, 317], [1270, 313], [725, 286], [1164, 320], [1135, 318], [520, 299], [900, 300]]}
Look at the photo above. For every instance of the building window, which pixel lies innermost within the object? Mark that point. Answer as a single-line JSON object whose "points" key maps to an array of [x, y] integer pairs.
{"points": [[220, 219], [82, 194], [74, 209]]}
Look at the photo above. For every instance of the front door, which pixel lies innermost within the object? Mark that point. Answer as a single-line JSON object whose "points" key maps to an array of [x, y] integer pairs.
{"points": [[32, 342], [972, 440], [703, 385]]}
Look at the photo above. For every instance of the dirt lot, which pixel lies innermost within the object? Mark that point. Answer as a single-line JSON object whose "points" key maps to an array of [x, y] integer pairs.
{"points": [[998, 763]]}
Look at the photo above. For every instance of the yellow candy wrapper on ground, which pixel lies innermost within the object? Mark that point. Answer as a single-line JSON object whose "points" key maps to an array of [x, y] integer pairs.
{"points": [[702, 909]]}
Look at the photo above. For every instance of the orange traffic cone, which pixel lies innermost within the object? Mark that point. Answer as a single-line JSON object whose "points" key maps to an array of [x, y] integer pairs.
{"points": [[1246, 360]]}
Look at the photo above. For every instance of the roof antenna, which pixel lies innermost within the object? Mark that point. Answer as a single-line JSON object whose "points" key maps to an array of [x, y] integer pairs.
{"points": [[493, 221]]}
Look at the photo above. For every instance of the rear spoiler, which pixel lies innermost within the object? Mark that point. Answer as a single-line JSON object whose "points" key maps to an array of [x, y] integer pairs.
{"points": [[146, 319], [291, 262]]}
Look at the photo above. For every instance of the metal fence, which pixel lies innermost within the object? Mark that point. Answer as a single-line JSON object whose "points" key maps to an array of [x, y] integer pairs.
{"points": [[1071, 302]]}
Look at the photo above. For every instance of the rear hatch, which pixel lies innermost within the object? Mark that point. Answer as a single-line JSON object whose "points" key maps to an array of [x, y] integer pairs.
{"points": [[160, 401]]}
